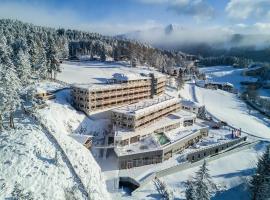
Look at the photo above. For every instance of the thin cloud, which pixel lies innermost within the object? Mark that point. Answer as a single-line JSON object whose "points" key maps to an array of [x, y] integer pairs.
{"points": [[199, 9], [247, 9]]}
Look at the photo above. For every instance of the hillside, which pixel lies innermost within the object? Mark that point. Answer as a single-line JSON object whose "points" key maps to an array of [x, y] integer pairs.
{"points": [[33, 167]]}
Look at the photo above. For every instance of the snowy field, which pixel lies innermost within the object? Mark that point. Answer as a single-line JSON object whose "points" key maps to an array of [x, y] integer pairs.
{"points": [[226, 74], [92, 72]]}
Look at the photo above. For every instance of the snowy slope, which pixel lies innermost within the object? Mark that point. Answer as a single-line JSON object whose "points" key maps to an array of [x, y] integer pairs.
{"points": [[29, 158], [227, 172], [228, 107], [63, 120]]}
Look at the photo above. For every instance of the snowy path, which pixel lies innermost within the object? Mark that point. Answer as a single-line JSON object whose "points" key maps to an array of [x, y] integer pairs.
{"points": [[65, 158]]}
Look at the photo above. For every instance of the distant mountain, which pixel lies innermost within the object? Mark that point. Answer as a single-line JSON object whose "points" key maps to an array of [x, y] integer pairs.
{"points": [[212, 42]]}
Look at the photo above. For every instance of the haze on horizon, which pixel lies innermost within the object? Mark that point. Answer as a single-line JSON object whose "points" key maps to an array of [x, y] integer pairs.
{"points": [[194, 21]]}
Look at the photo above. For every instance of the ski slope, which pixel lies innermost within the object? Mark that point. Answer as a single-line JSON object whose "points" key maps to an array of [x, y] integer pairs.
{"points": [[230, 108]]}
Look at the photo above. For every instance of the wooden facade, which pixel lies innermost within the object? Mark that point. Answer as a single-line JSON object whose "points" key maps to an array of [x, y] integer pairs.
{"points": [[111, 95]]}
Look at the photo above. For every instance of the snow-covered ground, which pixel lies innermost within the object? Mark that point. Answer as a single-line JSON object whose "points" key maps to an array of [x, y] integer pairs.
{"points": [[227, 172], [93, 72], [226, 74], [62, 119], [230, 108], [29, 159]]}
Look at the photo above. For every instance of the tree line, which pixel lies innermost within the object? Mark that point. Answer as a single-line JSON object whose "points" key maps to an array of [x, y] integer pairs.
{"points": [[225, 60]]}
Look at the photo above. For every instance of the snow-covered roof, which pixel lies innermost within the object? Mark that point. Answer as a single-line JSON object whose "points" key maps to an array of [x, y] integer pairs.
{"points": [[183, 132], [80, 138], [189, 103], [129, 76], [219, 83], [144, 145], [146, 105]]}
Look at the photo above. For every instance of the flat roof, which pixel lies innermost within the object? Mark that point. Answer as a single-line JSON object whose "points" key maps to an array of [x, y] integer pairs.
{"points": [[145, 105], [183, 132], [144, 145]]}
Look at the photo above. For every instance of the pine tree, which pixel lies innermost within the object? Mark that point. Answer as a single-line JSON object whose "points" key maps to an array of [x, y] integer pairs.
{"points": [[3, 95], [19, 193], [23, 67], [260, 183], [190, 190], [180, 81], [52, 58], [203, 183], [11, 92], [163, 189]]}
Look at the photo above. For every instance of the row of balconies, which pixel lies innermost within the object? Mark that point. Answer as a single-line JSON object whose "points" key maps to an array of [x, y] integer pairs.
{"points": [[119, 94], [147, 119], [159, 109], [118, 102], [122, 98]]}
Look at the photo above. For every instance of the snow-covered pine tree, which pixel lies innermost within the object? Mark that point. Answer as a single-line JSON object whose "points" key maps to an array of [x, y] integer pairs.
{"points": [[3, 99], [41, 67], [52, 57], [203, 183], [260, 183], [190, 192], [19, 193], [163, 189], [179, 81], [23, 67], [5, 52], [11, 92]]}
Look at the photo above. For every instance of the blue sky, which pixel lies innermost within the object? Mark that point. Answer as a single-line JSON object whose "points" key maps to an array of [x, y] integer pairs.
{"points": [[118, 16]]}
